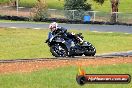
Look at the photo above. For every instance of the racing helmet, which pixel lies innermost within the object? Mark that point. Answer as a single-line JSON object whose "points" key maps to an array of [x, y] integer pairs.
{"points": [[53, 26]]}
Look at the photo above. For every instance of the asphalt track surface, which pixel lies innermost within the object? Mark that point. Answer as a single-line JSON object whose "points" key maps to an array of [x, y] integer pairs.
{"points": [[90, 27]]}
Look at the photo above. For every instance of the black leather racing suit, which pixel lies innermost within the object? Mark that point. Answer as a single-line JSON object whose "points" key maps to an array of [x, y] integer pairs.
{"points": [[65, 34]]}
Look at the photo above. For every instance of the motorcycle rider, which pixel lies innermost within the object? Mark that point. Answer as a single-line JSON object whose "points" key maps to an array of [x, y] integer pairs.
{"points": [[55, 29]]}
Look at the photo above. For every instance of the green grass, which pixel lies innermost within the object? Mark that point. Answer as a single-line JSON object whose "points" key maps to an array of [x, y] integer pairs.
{"points": [[53, 4], [27, 3], [29, 43], [64, 77], [4, 1], [24, 43], [125, 5]]}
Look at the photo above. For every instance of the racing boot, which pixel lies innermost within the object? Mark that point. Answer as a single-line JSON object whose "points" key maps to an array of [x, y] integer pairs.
{"points": [[80, 40]]}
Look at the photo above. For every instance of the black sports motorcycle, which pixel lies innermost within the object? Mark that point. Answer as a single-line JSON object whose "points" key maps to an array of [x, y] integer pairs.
{"points": [[61, 47]]}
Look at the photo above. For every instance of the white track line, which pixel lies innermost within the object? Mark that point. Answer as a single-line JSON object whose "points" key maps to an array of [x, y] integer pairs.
{"points": [[13, 27], [37, 28], [95, 31], [109, 32], [126, 33]]}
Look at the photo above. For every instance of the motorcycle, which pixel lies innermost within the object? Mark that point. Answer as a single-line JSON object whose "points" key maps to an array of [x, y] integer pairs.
{"points": [[61, 47]]}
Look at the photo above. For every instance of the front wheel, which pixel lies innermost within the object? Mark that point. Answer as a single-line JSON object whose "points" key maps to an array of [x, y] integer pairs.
{"points": [[58, 50], [90, 51]]}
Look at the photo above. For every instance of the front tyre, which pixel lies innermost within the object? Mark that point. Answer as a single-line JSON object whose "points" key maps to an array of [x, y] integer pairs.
{"points": [[90, 51], [58, 50]]}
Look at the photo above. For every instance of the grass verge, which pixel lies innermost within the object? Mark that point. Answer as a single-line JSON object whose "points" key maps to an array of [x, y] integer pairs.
{"points": [[29, 43], [52, 4], [64, 77], [124, 6]]}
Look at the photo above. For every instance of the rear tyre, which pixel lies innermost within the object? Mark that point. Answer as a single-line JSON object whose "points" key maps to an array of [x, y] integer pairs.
{"points": [[58, 50]]}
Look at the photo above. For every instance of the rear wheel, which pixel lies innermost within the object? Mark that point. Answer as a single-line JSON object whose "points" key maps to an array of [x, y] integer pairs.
{"points": [[58, 50], [90, 51]]}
